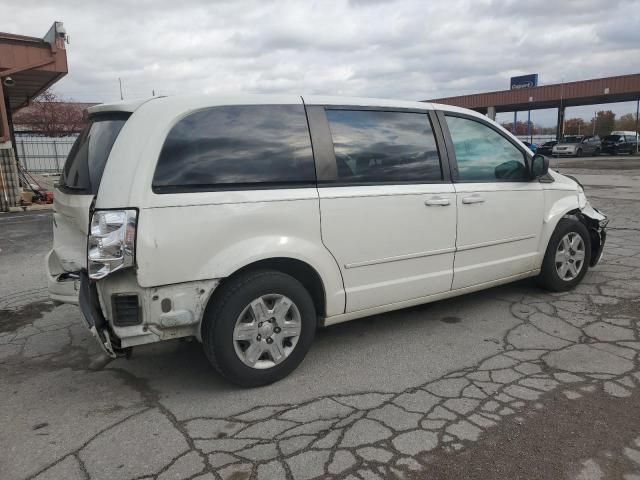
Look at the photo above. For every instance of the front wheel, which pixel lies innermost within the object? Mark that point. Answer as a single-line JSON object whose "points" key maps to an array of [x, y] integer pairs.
{"points": [[579, 153], [566, 260], [259, 327]]}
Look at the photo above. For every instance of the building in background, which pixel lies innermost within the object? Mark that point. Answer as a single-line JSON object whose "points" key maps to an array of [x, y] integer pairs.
{"points": [[28, 67]]}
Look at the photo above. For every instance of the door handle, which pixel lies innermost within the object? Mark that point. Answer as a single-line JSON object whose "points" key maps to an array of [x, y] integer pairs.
{"points": [[472, 199], [442, 201]]}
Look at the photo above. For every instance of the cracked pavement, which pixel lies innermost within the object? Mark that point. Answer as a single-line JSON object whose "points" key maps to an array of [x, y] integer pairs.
{"points": [[425, 392]]}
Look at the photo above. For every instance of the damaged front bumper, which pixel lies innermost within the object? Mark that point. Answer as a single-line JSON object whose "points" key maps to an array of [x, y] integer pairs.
{"points": [[596, 222]]}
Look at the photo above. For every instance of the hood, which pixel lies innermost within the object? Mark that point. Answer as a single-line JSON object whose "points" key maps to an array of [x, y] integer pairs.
{"points": [[564, 180]]}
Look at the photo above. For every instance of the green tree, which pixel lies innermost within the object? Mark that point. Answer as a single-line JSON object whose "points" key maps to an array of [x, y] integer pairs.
{"points": [[605, 123]]}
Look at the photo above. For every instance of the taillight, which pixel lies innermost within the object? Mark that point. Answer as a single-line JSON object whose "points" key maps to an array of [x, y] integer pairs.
{"points": [[111, 243]]}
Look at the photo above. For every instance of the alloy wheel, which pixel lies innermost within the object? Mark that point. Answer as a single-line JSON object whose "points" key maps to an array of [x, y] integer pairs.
{"points": [[267, 331], [570, 256]]}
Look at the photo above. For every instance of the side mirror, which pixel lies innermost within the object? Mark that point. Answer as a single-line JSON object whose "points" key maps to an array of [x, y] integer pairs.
{"points": [[539, 166]]}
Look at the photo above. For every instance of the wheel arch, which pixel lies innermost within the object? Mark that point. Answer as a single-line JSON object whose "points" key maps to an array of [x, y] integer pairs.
{"points": [[302, 271], [591, 225]]}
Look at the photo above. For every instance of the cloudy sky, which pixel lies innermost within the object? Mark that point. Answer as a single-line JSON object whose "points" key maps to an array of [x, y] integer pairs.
{"points": [[406, 49]]}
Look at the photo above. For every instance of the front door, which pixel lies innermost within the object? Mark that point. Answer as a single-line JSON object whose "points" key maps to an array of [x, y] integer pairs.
{"points": [[500, 210], [388, 214]]}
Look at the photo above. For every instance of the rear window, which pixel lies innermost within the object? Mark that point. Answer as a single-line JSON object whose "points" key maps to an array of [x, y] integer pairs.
{"points": [[86, 161], [237, 147]]}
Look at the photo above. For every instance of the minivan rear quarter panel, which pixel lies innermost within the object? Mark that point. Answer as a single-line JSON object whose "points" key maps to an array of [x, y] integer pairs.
{"points": [[203, 235]]}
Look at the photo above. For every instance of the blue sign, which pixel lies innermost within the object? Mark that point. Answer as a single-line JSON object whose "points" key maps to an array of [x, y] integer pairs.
{"points": [[524, 81]]}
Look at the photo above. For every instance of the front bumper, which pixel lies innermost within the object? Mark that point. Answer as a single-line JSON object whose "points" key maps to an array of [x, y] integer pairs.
{"points": [[564, 153], [596, 222]]}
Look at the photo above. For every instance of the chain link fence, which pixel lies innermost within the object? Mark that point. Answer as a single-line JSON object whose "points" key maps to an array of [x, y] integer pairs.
{"points": [[42, 154]]}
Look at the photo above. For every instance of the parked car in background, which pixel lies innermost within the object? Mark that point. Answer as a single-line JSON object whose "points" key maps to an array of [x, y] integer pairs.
{"points": [[247, 222], [546, 148], [627, 133], [617, 143], [531, 146], [577, 146]]}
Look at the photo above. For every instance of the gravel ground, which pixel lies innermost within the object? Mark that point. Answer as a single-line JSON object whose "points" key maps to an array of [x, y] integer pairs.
{"points": [[512, 382]]}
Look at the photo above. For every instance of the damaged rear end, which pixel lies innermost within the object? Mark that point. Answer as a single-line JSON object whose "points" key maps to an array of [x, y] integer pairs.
{"points": [[86, 244], [96, 225]]}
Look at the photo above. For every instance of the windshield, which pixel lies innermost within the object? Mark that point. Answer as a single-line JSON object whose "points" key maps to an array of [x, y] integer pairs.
{"points": [[571, 139], [549, 144], [86, 161], [612, 138]]}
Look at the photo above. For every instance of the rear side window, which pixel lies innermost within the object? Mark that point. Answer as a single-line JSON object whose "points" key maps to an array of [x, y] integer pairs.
{"points": [[237, 147], [383, 147], [86, 161]]}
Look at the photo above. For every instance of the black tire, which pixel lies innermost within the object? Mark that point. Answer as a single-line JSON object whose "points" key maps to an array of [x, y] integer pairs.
{"points": [[549, 277], [597, 151], [226, 306], [579, 152]]}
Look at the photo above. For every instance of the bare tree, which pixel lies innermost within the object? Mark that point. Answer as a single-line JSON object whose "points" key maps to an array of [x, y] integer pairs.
{"points": [[48, 115]]}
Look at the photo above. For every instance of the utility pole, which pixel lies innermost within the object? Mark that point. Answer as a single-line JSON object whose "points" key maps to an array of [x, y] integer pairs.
{"points": [[595, 117], [560, 123], [120, 82], [637, 130]]}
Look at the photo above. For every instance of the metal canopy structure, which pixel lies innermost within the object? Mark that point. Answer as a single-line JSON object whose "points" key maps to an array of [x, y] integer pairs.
{"points": [[622, 88], [28, 66]]}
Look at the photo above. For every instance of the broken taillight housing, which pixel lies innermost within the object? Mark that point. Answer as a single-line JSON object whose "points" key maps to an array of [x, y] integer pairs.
{"points": [[111, 244]]}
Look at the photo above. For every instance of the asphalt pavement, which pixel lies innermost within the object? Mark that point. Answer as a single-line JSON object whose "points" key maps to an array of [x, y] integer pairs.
{"points": [[512, 382]]}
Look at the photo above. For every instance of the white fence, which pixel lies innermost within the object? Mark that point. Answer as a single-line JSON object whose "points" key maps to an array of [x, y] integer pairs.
{"points": [[40, 154]]}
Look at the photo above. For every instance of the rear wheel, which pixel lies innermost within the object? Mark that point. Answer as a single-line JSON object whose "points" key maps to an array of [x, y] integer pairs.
{"points": [[579, 152], [259, 327], [566, 260]]}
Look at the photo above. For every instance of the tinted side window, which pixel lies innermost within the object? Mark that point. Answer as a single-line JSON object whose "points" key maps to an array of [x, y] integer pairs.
{"points": [[235, 147], [375, 146], [483, 154]]}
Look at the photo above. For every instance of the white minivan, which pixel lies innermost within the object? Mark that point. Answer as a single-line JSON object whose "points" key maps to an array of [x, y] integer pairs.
{"points": [[247, 222]]}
